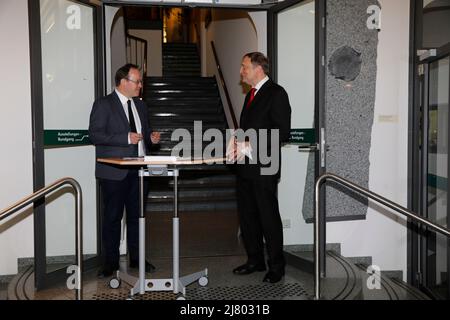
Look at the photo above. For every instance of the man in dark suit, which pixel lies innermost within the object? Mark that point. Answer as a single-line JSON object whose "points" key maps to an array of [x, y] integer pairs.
{"points": [[267, 107], [118, 127]]}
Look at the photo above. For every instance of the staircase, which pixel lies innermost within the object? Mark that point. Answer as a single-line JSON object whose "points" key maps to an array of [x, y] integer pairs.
{"points": [[180, 59], [348, 278], [206, 193], [176, 101]]}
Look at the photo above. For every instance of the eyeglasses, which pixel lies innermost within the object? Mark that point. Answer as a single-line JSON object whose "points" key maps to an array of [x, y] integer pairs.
{"points": [[134, 81]]}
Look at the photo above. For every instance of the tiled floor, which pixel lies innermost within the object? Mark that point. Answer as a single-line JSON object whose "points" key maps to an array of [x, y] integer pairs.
{"points": [[222, 283]]}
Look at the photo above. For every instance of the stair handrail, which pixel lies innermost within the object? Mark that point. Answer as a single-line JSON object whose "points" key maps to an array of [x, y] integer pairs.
{"points": [[224, 86], [144, 43], [319, 224], [198, 38], [5, 213]]}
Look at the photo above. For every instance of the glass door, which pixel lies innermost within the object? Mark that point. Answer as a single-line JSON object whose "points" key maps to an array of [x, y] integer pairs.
{"points": [[65, 51], [295, 50], [434, 246]]}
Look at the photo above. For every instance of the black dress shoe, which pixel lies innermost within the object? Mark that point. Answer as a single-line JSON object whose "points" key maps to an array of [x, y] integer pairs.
{"points": [[273, 277], [249, 268], [105, 273], [148, 266]]}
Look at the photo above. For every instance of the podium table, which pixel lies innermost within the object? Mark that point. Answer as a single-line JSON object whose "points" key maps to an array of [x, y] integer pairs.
{"points": [[160, 167]]}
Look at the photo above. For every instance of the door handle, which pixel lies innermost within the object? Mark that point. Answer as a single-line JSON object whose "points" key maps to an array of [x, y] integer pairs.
{"points": [[310, 148]]}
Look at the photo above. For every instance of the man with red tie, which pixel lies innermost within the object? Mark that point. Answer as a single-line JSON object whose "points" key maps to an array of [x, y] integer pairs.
{"points": [[266, 107]]}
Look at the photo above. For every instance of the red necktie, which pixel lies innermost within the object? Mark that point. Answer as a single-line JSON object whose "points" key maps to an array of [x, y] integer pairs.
{"points": [[252, 96]]}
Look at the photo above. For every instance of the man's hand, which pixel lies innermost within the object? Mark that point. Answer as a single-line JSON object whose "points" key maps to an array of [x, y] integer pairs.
{"points": [[155, 137], [238, 150], [135, 137], [232, 150], [244, 149]]}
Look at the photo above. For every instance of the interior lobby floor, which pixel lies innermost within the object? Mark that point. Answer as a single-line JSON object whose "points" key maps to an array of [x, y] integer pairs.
{"points": [[222, 283]]}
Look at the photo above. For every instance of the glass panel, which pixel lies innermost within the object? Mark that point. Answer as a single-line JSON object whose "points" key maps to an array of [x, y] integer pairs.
{"points": [[68, 84], [437, 174], [436, 23], [296, 74]]}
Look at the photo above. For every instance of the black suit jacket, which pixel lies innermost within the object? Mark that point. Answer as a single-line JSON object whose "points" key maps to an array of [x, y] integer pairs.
{"points": [[270, 109], [108, 131]]}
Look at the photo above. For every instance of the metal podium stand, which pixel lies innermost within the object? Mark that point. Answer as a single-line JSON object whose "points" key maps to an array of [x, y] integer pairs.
{"points": [[176, 284]]}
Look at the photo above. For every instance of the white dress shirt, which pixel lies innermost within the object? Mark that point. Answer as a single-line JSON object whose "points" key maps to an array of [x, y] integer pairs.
{"points": [[137, 120], [260, 84]]}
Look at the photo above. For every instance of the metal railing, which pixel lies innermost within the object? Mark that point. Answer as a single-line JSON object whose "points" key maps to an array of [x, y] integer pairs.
{"points": [[78, 220], [318, 223], [224, 86], [198, 39], [137, 53], [136, 48]]}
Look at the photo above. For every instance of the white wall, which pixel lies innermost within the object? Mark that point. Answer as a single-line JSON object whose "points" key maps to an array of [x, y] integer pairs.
{"points": [[154, 50], [114, 44], [16, 176], [296, 73], [234, 35], [382, 235], [259, 19]]}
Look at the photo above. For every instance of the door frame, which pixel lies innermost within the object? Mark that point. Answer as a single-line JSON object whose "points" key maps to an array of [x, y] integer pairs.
{"points": [[319, 94], [416, 271], [320, 69], [423, 232], [44, 279]]}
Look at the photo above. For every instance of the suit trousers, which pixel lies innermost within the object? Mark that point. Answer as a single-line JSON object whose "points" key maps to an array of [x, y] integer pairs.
{"points": [[260, 220], [118, 195]]}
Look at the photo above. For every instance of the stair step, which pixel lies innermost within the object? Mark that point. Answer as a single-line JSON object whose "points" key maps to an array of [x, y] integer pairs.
{"points": [[182, 81], [179, 44], [213, 104], [165, 115], [180, 52], [170, 93], [176, 86], [184, 109], [205, 126], [193, 196], [186, 119], [194, 100], [391, 288], [183, 60], [191, 207], [181, 73], [175, 65], [181, 67]]}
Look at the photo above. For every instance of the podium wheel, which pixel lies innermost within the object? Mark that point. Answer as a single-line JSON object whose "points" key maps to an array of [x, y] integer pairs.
{"points": [[114, 283], [203, 281]]}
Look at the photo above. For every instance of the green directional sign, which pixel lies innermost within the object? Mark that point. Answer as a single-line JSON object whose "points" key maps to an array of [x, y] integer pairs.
{"points": [[437, 182], [302, 136], [66, 137]]}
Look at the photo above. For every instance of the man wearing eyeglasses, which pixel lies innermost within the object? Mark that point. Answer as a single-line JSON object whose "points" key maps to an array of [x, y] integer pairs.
{"points": [[119, 128]]}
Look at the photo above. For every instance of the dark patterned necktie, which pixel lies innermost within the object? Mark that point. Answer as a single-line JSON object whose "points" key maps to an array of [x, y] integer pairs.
{"points": [[131, 117]]}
